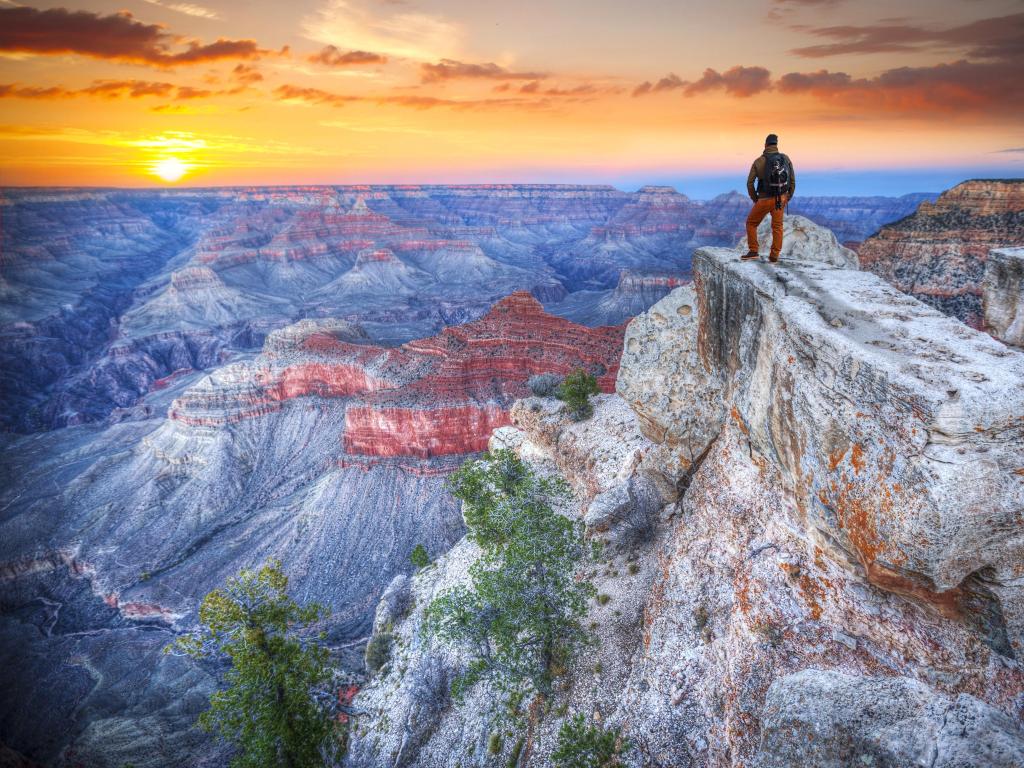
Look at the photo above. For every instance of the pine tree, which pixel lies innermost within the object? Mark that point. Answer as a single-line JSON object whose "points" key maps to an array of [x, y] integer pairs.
{"points": [[276, 708], [575, 392], [520, 617], [588, 746]]}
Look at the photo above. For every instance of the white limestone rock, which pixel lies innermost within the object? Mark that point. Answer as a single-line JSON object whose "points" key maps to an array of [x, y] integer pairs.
{"points": [[897, 429], [830, 720], [1003, 295], [803, 240], [676, 397]]}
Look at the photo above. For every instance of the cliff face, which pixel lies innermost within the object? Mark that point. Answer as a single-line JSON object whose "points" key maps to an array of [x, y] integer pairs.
{"points": [[938, 254], [1003, 295], [814, 481]]}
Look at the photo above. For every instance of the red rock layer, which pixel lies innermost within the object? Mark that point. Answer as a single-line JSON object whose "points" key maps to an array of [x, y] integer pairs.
{"points": [[440, 396]]}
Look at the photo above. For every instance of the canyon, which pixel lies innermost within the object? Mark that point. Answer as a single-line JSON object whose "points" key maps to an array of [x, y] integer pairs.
{"points": [[107, 293], [938, 253], [196, 380]]}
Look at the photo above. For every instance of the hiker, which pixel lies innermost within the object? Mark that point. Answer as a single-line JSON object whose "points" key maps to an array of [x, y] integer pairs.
{"points": [[776, 183]]}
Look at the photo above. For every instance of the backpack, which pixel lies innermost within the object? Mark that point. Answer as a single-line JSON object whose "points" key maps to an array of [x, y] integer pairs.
{"points": [[776, 174]]}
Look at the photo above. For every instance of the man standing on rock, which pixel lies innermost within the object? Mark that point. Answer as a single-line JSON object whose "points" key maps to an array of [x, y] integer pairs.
{"points": [[776, 183]]}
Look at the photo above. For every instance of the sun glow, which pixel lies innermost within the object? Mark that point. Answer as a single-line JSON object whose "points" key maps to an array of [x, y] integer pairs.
{"points": [[170, 169]]}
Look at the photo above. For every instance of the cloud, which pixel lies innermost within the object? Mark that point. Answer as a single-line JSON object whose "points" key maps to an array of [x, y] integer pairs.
{"points": [[670, 82], [321, 97], [189, 9], [112, 89], [398, 31], [312, 95], [332, 57], [117, 37], [1011, 150], [1001, 37], [449, 69], [738, 81], [994, 88], [245, 73]]}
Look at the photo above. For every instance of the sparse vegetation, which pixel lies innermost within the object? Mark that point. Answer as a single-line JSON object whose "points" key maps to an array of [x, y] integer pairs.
{"points": [[278, 708], [544, 384], [378, 651], [520, 616], [588, 746], [603, 599], [575, 392], [633, 569], [494, 744], [419, 556]]}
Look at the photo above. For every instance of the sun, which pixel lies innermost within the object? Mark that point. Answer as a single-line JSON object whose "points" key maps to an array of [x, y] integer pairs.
{"points": [[170, 169]]}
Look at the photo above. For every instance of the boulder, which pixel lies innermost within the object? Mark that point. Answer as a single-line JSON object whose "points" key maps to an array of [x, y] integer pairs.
{"points": [[828, 719], [803, 240], [663, 378], [1003, 295]]}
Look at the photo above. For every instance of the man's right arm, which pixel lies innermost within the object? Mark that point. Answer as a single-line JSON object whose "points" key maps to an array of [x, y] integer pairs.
{"points": [[751, 192]]}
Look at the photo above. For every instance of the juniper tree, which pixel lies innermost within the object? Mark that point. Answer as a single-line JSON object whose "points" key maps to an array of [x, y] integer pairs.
{"points": [[588, 746], [575, 392], [277, 706], [520, 616]]}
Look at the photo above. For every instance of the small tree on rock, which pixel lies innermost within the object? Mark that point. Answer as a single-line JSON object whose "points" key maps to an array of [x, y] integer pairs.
{"points": [[277, 708], [419, 556], [520, 617], [575, 392], [588, 746]]}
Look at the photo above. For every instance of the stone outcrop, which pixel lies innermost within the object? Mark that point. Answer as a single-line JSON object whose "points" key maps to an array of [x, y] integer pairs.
{"points": [[809, 489], [938, 254], [803, 240], [833, 720], [1003, 295]]}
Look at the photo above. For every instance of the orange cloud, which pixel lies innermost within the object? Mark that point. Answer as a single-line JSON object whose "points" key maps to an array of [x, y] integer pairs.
{"points": [[1001, 37], [332, 57], [117, 37], [449, 69], [318, 96], [738, 81], [113, 89]]}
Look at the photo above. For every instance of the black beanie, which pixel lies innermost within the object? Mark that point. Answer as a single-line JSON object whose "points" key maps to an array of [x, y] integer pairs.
{"points": [[772, 139]]}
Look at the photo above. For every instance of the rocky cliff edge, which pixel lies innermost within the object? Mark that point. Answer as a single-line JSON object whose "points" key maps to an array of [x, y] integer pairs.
{"points": [[811, 490]]}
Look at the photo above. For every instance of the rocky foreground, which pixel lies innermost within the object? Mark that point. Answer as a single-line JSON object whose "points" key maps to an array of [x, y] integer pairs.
{"points": [[811, 489]]}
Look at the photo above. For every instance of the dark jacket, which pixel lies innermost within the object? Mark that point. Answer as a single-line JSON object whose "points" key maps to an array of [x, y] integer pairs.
{"points": [[757, 172]]}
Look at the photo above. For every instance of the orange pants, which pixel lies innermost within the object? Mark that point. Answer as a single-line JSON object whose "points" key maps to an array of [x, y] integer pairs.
{"points": [[761, 209]]}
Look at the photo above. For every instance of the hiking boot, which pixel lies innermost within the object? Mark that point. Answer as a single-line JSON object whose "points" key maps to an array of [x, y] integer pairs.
{"points": [[750, 256], [773, 259]]}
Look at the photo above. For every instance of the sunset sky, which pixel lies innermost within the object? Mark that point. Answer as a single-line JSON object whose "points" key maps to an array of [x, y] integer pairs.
{"points": [[867, 96]]}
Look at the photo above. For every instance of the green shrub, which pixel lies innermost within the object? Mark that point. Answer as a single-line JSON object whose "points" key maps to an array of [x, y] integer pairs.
{"points": [[513, 757], [633, 569], [494, 744], [588, 746], [604, 599], [575, 392], [419, 556], [378, 651]]}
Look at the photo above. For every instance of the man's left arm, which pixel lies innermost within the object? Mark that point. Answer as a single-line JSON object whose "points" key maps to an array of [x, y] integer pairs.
{"points": [[792, 180]]}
